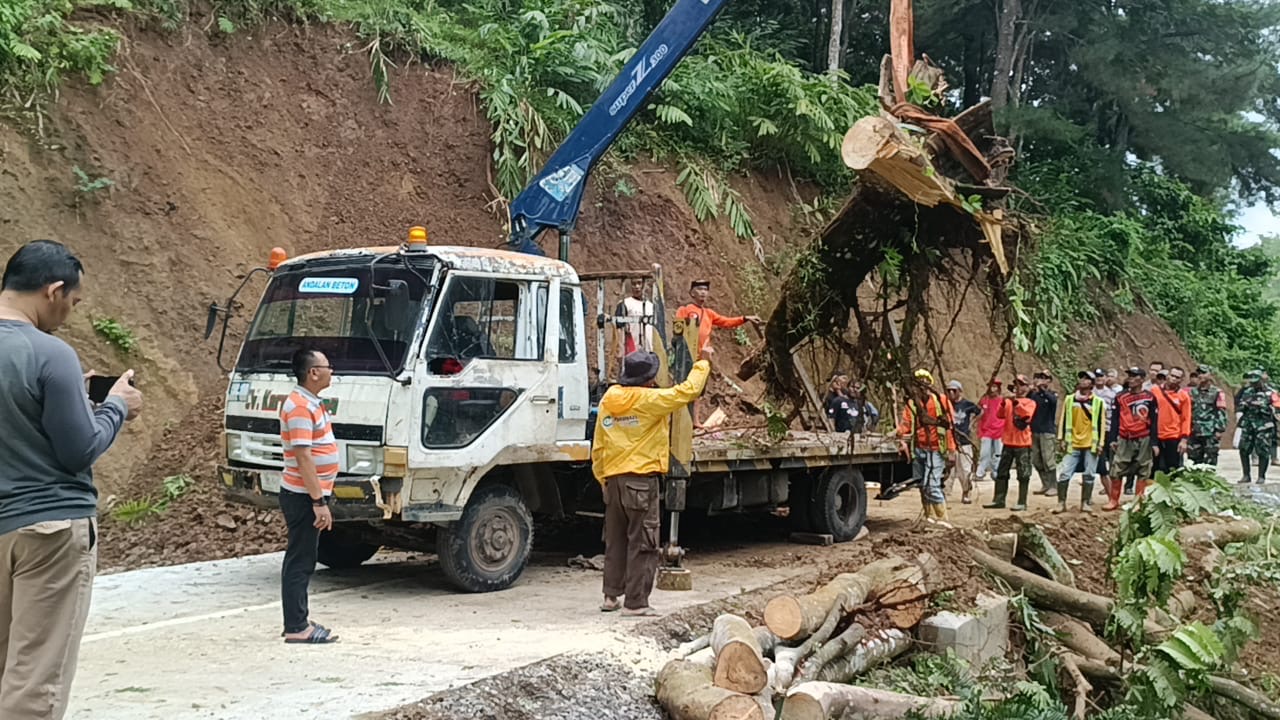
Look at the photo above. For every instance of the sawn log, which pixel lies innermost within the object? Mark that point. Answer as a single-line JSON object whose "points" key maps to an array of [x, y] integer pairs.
{"points": [[686, 692]]}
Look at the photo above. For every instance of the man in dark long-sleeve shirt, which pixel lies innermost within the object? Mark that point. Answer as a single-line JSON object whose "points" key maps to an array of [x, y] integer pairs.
{"points": [[1133, 435], [1044, 432], [52, 436]]}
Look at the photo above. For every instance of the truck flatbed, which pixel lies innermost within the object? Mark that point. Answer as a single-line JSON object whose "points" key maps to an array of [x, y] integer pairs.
{"points": [[744, 449]]}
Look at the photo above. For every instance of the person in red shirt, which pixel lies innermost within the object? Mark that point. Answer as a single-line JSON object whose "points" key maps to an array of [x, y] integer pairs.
{"points": [[925, 436], [990, 430], [1016, 410], [1133, 434], [1174, 430]]}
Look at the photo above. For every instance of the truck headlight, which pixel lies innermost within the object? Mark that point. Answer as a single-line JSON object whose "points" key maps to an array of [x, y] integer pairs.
{"points": [[362, 459], [235, 446]]}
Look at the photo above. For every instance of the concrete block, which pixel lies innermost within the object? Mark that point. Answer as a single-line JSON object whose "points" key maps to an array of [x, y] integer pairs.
{"points": [[976, 637]]}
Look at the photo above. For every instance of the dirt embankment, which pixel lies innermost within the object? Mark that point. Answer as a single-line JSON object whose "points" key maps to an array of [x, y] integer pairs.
{"points": [[220, 148]]}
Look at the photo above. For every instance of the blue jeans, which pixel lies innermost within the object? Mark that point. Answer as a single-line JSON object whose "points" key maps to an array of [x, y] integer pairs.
{"points": [[1074, 458], [927, 466]]}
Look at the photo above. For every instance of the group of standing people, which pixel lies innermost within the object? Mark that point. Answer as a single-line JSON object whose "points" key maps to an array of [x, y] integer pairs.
{"points": [[1120, 433]]}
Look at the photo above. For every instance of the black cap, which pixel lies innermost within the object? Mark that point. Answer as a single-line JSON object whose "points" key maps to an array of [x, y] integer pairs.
{"points": [[1086, 374], [699, 283], [1135, 372], [638, 368]]}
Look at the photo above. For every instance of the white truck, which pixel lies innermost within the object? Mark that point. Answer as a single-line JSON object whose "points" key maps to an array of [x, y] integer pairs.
{"points": [[462, 404]]}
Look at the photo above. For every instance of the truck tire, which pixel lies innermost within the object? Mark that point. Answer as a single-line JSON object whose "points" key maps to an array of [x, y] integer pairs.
{"points": [[344, 550], [488, 548], [839, 506]]}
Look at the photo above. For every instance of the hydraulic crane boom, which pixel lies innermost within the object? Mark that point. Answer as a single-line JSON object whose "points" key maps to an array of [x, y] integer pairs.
{"points": [[554, 197]]}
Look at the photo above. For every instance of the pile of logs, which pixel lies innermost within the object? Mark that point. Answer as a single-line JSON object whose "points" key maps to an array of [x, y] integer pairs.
{"points": [[808, 650], [799, 665]]}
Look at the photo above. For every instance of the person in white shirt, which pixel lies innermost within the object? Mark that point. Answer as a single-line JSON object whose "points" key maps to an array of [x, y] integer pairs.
{"points": [[637, 329]]}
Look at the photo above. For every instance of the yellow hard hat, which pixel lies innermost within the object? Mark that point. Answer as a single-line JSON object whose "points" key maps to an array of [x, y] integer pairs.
{"points": [[924, 376]]}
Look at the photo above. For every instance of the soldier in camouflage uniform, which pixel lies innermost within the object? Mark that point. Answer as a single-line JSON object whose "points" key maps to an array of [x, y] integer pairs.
{"points": [[1208, 418], [1256, 415]]}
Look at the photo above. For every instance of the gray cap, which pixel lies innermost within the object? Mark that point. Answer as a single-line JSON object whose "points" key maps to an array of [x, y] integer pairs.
{"points": [[954, 385]]}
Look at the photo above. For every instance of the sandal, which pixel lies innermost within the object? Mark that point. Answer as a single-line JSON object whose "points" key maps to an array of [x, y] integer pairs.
{"points": [[319, 636], [608, 607], [640, 612]]}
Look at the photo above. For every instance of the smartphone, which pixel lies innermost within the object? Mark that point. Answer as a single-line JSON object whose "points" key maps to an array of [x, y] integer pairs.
{"points": [[100, 386]]}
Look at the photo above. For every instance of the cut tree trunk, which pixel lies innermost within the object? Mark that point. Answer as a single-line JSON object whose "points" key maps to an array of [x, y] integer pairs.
{"points": [[839, 646], [1049, 595], [1079, 638], [685, 691], [893, 581], [1220, 533], [823, 700], [1034, 544], [739, 664], [880, 647]]}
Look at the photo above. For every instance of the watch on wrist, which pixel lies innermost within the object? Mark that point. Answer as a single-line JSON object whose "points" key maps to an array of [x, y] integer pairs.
{"points": [[322, 502]]}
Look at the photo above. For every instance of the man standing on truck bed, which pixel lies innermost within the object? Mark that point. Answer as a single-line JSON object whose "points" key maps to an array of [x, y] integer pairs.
{"points": [[52, 436], [707, 319], [637, 327], [310, 466], [630, 452], [925, 437]]}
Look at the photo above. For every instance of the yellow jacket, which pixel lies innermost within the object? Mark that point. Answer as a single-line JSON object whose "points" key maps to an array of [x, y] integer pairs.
{"points": [[633, 427]]}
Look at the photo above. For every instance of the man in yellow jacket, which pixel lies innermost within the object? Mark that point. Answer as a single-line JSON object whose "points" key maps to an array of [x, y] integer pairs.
{"points": [[629, 455]]}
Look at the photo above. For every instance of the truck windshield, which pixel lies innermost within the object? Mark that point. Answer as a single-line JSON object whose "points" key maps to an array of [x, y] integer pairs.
{"points": [[333, 310]]}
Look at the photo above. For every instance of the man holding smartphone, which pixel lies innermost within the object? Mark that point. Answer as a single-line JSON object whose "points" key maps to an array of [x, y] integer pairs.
{"points": [[48, 502], [310, 466]]}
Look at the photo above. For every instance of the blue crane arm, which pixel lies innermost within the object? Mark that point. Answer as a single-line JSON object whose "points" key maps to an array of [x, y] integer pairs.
{"points": [[554, 197]]}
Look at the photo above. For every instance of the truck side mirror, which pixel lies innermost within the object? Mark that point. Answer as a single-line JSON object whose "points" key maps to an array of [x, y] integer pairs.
{"points": [[212, 320], [396, 309]]}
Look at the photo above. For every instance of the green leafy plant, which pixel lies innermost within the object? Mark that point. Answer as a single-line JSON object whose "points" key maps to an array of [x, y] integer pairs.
{"points": [[740, 337], [118, 335], [134, 512], [141, 510], [87, 185], [39, 44], [225, 26], [624, 188]]}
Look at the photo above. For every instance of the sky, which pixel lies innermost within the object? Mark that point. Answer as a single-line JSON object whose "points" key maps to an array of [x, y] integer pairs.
{"points": [[1257, 220]]}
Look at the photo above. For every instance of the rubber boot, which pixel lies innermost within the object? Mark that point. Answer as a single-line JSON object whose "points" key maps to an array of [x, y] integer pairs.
{"points": [[1245, 461], [1142, 486], [1086, 497], [1062, 499], [1263, 462], [1001, 491], [1022, 495], [1113, 495], [940, 512]]}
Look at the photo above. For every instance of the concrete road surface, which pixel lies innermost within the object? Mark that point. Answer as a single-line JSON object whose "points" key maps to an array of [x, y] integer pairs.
{"points": [[202, 640]]}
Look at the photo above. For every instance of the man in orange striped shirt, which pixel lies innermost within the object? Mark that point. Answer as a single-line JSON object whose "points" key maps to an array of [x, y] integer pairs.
{"points": [[310, 466]]}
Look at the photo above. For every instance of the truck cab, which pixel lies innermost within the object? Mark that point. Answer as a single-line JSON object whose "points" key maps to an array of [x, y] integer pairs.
{"points": [[448, 362]]}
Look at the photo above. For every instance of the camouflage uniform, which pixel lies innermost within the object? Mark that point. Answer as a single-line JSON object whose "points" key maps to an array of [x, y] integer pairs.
{"points": [[1257, 429], [1208, 421]]}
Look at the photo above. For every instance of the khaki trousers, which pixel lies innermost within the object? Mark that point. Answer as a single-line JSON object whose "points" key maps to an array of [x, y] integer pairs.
{"points": [[46, 579], [631, 527]]}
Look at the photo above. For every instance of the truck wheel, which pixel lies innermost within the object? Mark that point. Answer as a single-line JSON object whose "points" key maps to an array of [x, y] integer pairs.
{"points": [[344, 550], [839, 504], [488, 547]]}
